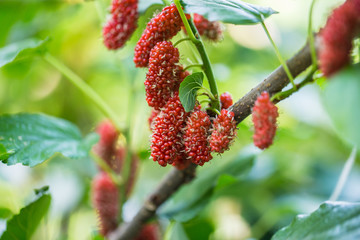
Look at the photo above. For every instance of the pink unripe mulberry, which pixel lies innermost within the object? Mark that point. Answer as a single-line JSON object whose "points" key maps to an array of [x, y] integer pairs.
{"points": [[337, 35], [226, 100], [264, 115], [105, 200], [164, 75], [224, 131], [161, 28], [122, 23], [166, 144], [212, 30], [196, 137]]}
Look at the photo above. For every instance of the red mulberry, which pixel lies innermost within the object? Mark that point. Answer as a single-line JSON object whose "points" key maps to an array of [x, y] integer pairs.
{"points": [[264, 116], [149, 232], [105, 200], [161, 28], [224, 131], [154, 113], [226, 100], [106, 147], [122, 24], [166, 144], [342, 26], [210, 29], [164, 75], [196, 137]]}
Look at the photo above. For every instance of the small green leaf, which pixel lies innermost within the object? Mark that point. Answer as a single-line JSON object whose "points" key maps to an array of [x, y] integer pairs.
{"points": [[20, 50], [30, 139], [5, 213], [228, 11], [192, 198], [341, 98], [188, 90], [331, 221], [176, 232], [24, 224]]}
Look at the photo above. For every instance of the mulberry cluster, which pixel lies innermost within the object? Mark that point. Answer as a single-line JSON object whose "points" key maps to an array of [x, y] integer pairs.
{"points": [[264, 115], [226, 100], [160, 28], [122, 23], [105, 200], [210, 29], [166, 144], [196, 137], [154, 113], [164, 75], [337, 35], [224, 131]]}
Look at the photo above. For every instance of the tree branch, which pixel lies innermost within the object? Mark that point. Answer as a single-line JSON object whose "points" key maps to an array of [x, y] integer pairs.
{"points": [[274, 83]]}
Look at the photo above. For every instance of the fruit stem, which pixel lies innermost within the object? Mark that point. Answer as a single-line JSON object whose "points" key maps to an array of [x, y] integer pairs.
{"points": [[85, 89], [182, 40], [282, 95], [117, 180], [311, 36], [193, 65], [280, 58], [196, 40]]}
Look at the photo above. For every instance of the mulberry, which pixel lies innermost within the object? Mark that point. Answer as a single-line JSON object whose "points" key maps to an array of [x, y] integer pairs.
{"points": [[264, 115], [105, 200], [196, 135], [149, 232], [166, 144], [342, 26], [224, 131], [122, 24], [164, 75], [210, 29], [226, 100], [161, 28], [154, 113]]}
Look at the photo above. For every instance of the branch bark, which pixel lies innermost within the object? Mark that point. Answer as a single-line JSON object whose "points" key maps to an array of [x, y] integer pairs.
{"points": [[274, 83]]}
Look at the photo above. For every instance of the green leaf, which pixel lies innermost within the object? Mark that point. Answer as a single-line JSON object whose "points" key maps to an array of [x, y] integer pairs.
{"points": [[24, 224], [342, 98], [228, 11], [5, 213], [3, 153], [332, 220], [30, 139], [145, 4], [176, 232], [188, 90], [20, 50], [192, 198]]}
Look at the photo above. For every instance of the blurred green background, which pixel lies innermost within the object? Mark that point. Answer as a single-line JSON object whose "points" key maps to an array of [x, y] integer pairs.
{"points": [[294, 176]]}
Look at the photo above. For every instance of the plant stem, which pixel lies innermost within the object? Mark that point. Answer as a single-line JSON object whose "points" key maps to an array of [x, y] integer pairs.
{"points": [[193, 65], [182, 40], [105, 167], [344, 175], [196, 40], [311, 36], [282, 95], [84, 88], [282, 62]]}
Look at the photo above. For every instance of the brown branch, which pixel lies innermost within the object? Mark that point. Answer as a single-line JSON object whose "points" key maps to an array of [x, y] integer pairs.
{"points": [[274, 83]]}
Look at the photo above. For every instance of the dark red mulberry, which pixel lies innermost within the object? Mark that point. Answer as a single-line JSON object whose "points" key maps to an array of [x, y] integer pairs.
{"points": [[166, 145], [149, 232], [210, 29], [337, 35], [196, 137], [105, 200], [164, 75], [226, 100], [264, 115], [122, 23], [161, 28], [224, 131]]}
